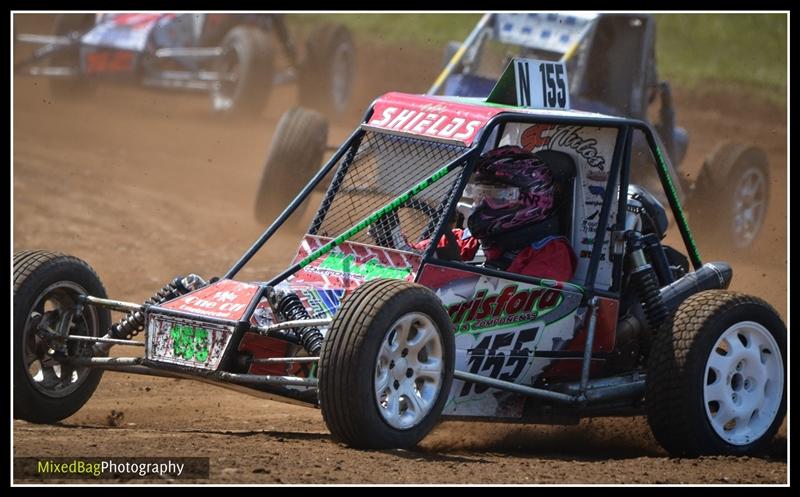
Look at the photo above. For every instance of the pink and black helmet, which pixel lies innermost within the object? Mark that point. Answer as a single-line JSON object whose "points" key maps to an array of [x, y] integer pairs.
{"points": [[515, 189]]}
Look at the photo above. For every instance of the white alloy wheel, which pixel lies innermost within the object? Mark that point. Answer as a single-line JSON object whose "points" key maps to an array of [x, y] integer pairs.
{"points": [[744, 383], [409, 370]]}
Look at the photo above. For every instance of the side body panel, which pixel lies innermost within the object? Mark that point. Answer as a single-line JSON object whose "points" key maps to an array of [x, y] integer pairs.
{"points": [[513, 331]]}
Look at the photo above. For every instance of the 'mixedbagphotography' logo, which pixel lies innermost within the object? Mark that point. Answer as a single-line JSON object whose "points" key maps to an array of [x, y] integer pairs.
{"points": [[42, 468]]}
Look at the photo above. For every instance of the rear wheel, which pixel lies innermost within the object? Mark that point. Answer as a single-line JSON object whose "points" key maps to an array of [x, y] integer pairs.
{"points": [[246, 72], [736, 179], [294, 157], [717, 378], [79, 86], [326, 76], [386, 365], [46, 290]]}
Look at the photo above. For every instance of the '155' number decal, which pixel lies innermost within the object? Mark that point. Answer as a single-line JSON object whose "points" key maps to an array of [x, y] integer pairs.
{"points": [[554, 89], [190, 343], [488, 356]]}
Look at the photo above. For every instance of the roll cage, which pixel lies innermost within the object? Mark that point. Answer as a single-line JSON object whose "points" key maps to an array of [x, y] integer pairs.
{"points": [[463, 164]]}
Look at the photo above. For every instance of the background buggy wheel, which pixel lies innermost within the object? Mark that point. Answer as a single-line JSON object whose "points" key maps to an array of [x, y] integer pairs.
{"points": [[386, 365], [64, 25], [325, 79], [736, 178], [295, 155], [46, 287], [716, 379], [246, 68]]}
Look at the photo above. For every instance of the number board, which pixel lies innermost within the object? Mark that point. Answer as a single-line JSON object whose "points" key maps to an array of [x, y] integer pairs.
{"points": [[541, 84], [186, 342]]}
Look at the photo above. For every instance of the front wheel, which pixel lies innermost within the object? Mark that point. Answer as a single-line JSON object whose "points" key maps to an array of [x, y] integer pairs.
{"points": [[717, 377], [47, 286], [386, 365]]}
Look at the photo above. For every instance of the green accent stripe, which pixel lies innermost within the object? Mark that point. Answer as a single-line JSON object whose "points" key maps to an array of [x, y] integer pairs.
{"points": [[393, 205], [565, 285], [676, 202]]}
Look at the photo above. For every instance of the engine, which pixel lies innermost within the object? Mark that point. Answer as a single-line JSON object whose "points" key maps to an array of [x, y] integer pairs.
{"points": [[657, 278]]}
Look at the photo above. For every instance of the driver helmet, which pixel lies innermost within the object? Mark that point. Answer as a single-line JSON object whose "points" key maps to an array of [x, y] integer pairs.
{"points": [[511, 189]]}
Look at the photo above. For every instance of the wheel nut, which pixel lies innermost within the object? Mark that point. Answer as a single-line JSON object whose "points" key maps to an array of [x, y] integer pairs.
{"points": [[396, 384], [391, 364], [409, 373], [405, 352], [739, 366]]}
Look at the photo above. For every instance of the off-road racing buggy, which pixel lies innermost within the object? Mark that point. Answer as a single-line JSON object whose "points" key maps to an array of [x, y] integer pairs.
{"points": [[387, 339], [612, 65], [230, 56]]}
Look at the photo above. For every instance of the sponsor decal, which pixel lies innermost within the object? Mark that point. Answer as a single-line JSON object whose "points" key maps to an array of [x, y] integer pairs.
{"points": [[597, 176], [350, 265], [226, 299], [591, 221], [587, 241], [509, 306], [550, 135], [346, 263], [587, 254], [589, 226], [598, 191], [428, 117], [225, 296], [323, 302]]}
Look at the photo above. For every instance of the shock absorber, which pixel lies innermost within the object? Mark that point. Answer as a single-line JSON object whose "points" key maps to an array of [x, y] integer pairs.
{"points": [[644, 279], [132, 324], [290, 308]]}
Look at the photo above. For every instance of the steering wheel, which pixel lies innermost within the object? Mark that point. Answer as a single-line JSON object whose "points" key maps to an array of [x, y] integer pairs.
{"points": [[388, 231]]}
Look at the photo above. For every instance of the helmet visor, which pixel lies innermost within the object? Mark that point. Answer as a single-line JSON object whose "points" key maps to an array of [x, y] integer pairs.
{"points": [[494, 195]]}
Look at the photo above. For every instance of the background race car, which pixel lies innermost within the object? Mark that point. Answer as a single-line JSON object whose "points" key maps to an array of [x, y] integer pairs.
{"points": [[233, 57]]}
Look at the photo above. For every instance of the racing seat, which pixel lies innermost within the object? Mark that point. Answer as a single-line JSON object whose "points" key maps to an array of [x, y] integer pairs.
{"points": [[564, 172]]}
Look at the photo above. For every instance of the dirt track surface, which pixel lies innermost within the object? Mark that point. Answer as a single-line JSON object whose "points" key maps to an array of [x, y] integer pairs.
{"points": [[146, 185]]}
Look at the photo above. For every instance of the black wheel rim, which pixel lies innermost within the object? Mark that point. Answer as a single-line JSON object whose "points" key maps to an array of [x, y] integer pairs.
{"points": [[50, 376]]}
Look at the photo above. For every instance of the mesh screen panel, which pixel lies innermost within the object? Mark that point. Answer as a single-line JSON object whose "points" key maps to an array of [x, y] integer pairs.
{"points": [[383, 168]]}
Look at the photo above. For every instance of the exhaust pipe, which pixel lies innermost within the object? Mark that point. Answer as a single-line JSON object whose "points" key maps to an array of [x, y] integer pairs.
{"points": [[712, 276]]}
